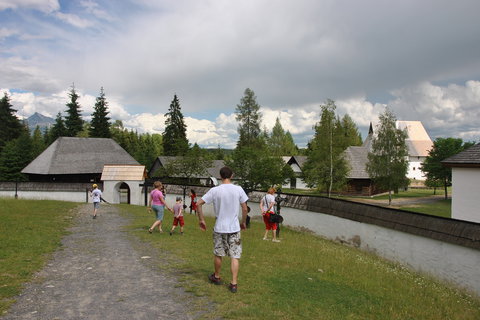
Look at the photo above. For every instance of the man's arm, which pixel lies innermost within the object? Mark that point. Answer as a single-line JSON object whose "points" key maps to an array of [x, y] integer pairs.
{"points": [[243, 224], [201, 218]]}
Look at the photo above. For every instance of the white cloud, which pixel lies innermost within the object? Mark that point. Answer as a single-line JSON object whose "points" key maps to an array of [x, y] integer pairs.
{"points": [[94, 8], [146, 122], [5, 33], [446, 111], [360, 110], [74, 20], [45, 6]]}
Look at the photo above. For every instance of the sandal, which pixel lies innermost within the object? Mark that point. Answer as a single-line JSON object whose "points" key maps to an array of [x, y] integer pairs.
{"points": [[214, 279]]}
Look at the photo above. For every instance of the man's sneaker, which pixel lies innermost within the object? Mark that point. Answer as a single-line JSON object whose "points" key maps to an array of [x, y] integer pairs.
{"points": [[171, 232], [94, 217], [275, 240], [233, 288], [265, 238], [214, 279]]}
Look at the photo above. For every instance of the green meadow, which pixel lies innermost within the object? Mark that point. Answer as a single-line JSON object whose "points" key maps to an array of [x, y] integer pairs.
{"points": [[303, 277], [30, 230]]}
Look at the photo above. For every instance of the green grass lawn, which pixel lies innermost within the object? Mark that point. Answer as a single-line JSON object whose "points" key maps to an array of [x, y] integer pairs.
{"points": [[441, 208], [414, 193], [303, 277], [30, 230]]}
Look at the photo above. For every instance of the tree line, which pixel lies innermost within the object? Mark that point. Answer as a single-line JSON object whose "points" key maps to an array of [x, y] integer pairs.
{"points": [[256, 159]]}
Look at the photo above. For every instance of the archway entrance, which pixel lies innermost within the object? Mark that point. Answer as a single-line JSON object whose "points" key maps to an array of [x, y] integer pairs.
{"points": [[124, 192]]}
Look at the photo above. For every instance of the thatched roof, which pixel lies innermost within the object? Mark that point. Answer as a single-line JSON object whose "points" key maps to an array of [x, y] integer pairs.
{"points": [[68, 155], [466, 158]]}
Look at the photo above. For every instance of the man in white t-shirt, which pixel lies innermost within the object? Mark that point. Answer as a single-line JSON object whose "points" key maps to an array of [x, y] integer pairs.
{"points": [[226, 199]]}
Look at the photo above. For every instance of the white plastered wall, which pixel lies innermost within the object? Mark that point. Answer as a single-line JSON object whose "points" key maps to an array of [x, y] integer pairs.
{"points": [[466, 194]]}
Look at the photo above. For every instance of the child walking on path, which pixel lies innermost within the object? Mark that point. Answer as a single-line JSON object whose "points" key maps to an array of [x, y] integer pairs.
{"points": [[96, 197], [178, 215]]}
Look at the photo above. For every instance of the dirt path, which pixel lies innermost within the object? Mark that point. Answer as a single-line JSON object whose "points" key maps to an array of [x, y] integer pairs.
{"points": [[102, 273]]}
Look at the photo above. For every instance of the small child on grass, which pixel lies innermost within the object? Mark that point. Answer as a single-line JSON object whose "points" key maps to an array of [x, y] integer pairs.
{"points": [[178, 215]]}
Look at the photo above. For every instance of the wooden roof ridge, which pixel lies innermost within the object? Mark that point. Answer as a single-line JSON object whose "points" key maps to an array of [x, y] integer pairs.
{"points": [[467, 158]]}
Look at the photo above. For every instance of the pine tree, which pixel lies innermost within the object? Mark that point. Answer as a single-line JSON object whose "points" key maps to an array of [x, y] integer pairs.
{"points": [[73, 119], [58, 129], [250, 118], [100, 125], [16, 155], [387, 163], [38, 144], [349, 134], [11, 127], [175, 142], [280, 142], [326, 168]]}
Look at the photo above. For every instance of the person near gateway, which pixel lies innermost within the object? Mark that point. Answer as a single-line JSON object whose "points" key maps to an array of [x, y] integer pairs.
{"points": [[226, 199], [96, 195], [157, 203]]}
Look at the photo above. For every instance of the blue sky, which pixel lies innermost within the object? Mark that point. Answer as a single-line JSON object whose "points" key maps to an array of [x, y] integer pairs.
{"points": [[421, 58]]}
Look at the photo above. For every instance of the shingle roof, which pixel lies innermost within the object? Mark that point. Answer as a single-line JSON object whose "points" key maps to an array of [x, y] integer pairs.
{"points": [[123, 172], [466, 158], [70, 155], [357, 158], [300, 160]]}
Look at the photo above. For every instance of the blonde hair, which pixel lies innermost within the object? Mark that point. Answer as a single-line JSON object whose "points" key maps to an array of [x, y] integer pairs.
{"points": [[94, 185], [271, 190], [157, 184]]}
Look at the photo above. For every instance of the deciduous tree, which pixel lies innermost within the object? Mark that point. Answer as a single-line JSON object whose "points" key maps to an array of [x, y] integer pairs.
{"points": [[326, 168], [388, 161], [432, 167]]}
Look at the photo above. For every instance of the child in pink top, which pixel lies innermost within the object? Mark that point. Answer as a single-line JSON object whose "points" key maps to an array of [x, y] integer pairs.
{"points": [[178, 215]]}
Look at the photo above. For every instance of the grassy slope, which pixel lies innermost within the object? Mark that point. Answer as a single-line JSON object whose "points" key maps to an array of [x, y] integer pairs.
{"points": [[304, 277], [29, 231]]}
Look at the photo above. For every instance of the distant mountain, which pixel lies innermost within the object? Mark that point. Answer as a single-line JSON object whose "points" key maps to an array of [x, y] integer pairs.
{"points": [[40, 120]]}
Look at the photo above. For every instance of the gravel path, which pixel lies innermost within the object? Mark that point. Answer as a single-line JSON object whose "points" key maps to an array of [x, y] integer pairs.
{"points": [[103, 273]]}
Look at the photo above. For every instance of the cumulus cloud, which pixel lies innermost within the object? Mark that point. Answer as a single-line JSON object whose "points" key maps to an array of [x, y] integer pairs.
{"points": [[452, 110], [292, 57]]}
